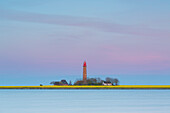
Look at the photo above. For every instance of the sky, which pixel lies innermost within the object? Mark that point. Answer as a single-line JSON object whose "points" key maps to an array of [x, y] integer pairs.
{"points": [[47, 40]]}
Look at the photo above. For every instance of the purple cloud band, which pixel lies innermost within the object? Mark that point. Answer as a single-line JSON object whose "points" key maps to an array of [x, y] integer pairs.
{"points": [[94, 23]]}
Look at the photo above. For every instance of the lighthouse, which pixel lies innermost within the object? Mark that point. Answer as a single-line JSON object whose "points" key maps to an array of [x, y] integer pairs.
{"points": [[84, 71]]}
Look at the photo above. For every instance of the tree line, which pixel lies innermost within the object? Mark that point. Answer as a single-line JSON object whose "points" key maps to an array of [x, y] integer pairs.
{"points": [[97, 81], [89, 81]]}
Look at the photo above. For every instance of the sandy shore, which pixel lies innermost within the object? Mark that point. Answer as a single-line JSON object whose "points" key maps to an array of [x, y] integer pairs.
{"points": [[90, 87]]}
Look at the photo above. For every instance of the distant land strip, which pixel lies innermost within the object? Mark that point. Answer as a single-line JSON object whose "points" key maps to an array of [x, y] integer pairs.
{"points": [[89, 87]]}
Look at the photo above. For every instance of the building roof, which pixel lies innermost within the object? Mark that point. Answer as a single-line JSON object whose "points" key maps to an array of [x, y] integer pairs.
{"points": [[107, 82]]}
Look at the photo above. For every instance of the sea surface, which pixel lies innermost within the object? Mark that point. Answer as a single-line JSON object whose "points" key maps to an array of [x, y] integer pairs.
{"points": [[84, 101]]}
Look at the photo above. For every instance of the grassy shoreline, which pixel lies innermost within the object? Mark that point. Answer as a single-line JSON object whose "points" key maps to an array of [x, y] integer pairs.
{"points": [[90, 87]]}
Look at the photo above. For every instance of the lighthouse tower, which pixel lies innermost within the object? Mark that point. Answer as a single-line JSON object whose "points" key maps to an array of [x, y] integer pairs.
{"points": [[84, 71]]}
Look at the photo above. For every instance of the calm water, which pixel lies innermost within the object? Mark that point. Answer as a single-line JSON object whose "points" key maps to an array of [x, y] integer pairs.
{"points": [[84, 101]]}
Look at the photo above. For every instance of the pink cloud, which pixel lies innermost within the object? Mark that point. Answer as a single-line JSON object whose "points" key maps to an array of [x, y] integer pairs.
{"points": [[124, 55]]}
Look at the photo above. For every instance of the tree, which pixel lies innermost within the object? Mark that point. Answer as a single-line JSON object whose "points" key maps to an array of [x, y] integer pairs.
{"points": [[79, 82], [116, 81], [91, 81], [102, 81], [70, 83], [55, 83], [94, 81], [108, 79], [64, 82], [98, 80], [52, 82]]}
